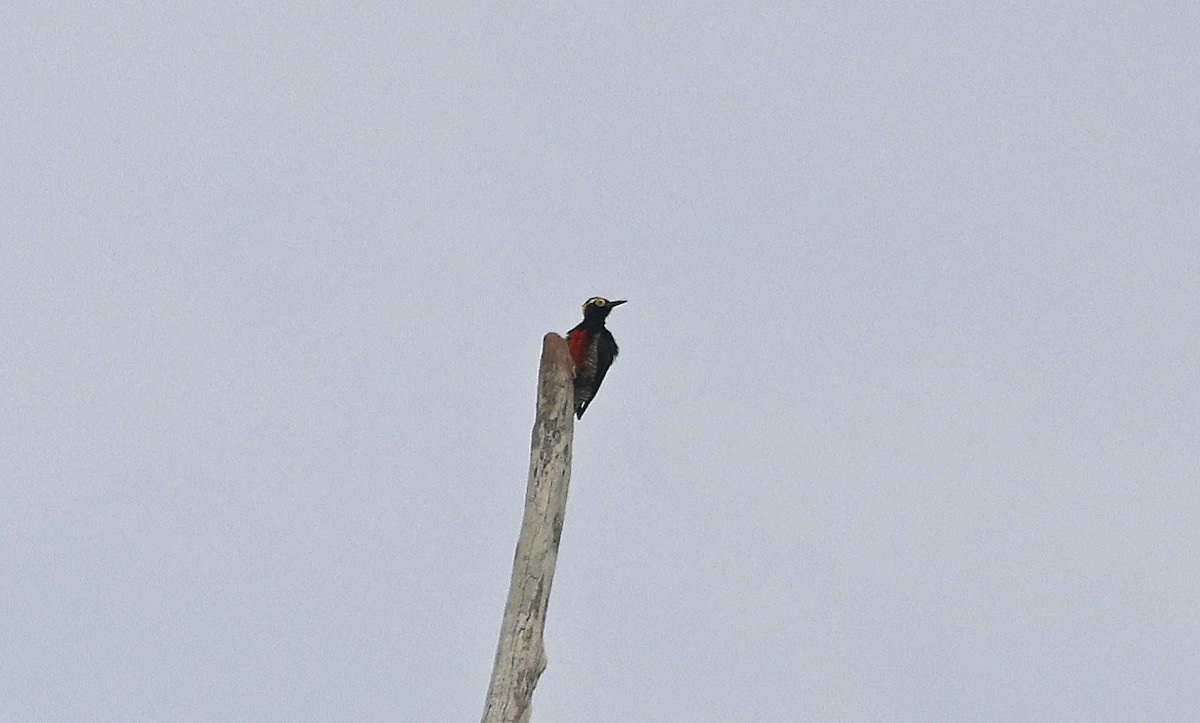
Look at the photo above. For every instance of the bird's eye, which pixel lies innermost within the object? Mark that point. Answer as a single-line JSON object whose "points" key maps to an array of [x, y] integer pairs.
{"points": [[599, 302]]}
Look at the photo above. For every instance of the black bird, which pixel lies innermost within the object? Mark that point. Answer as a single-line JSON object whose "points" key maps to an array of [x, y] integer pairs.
{"points": [[593, 349]]}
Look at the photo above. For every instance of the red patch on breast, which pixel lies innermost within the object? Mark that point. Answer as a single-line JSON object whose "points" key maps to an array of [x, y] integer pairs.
{"points": [[578, 343]]}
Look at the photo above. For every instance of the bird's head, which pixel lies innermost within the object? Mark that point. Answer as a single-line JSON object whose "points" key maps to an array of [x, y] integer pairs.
{"points": [[598, 307]]}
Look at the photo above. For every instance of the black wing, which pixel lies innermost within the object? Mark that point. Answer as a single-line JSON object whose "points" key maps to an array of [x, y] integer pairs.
{"points": [[606, 351]]}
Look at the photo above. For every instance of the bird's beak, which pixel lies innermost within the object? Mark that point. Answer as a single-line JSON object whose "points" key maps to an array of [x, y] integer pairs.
{"points": [[617, 303]]}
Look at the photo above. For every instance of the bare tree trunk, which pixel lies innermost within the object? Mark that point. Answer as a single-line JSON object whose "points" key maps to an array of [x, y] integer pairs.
{"points": [[521, 655]]}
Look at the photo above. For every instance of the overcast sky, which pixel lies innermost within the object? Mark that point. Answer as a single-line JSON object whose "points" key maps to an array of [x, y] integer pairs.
{"points": [[904, 427]]}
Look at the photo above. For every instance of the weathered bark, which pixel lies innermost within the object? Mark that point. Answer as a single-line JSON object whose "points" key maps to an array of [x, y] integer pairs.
{"points": [[521, 655]]}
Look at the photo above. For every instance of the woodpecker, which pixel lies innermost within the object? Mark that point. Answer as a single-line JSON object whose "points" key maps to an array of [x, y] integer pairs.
{"points": [[593, 349]]}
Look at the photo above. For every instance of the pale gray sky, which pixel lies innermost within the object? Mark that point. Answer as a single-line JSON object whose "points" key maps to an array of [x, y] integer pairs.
{"points": [[904, 425]]}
